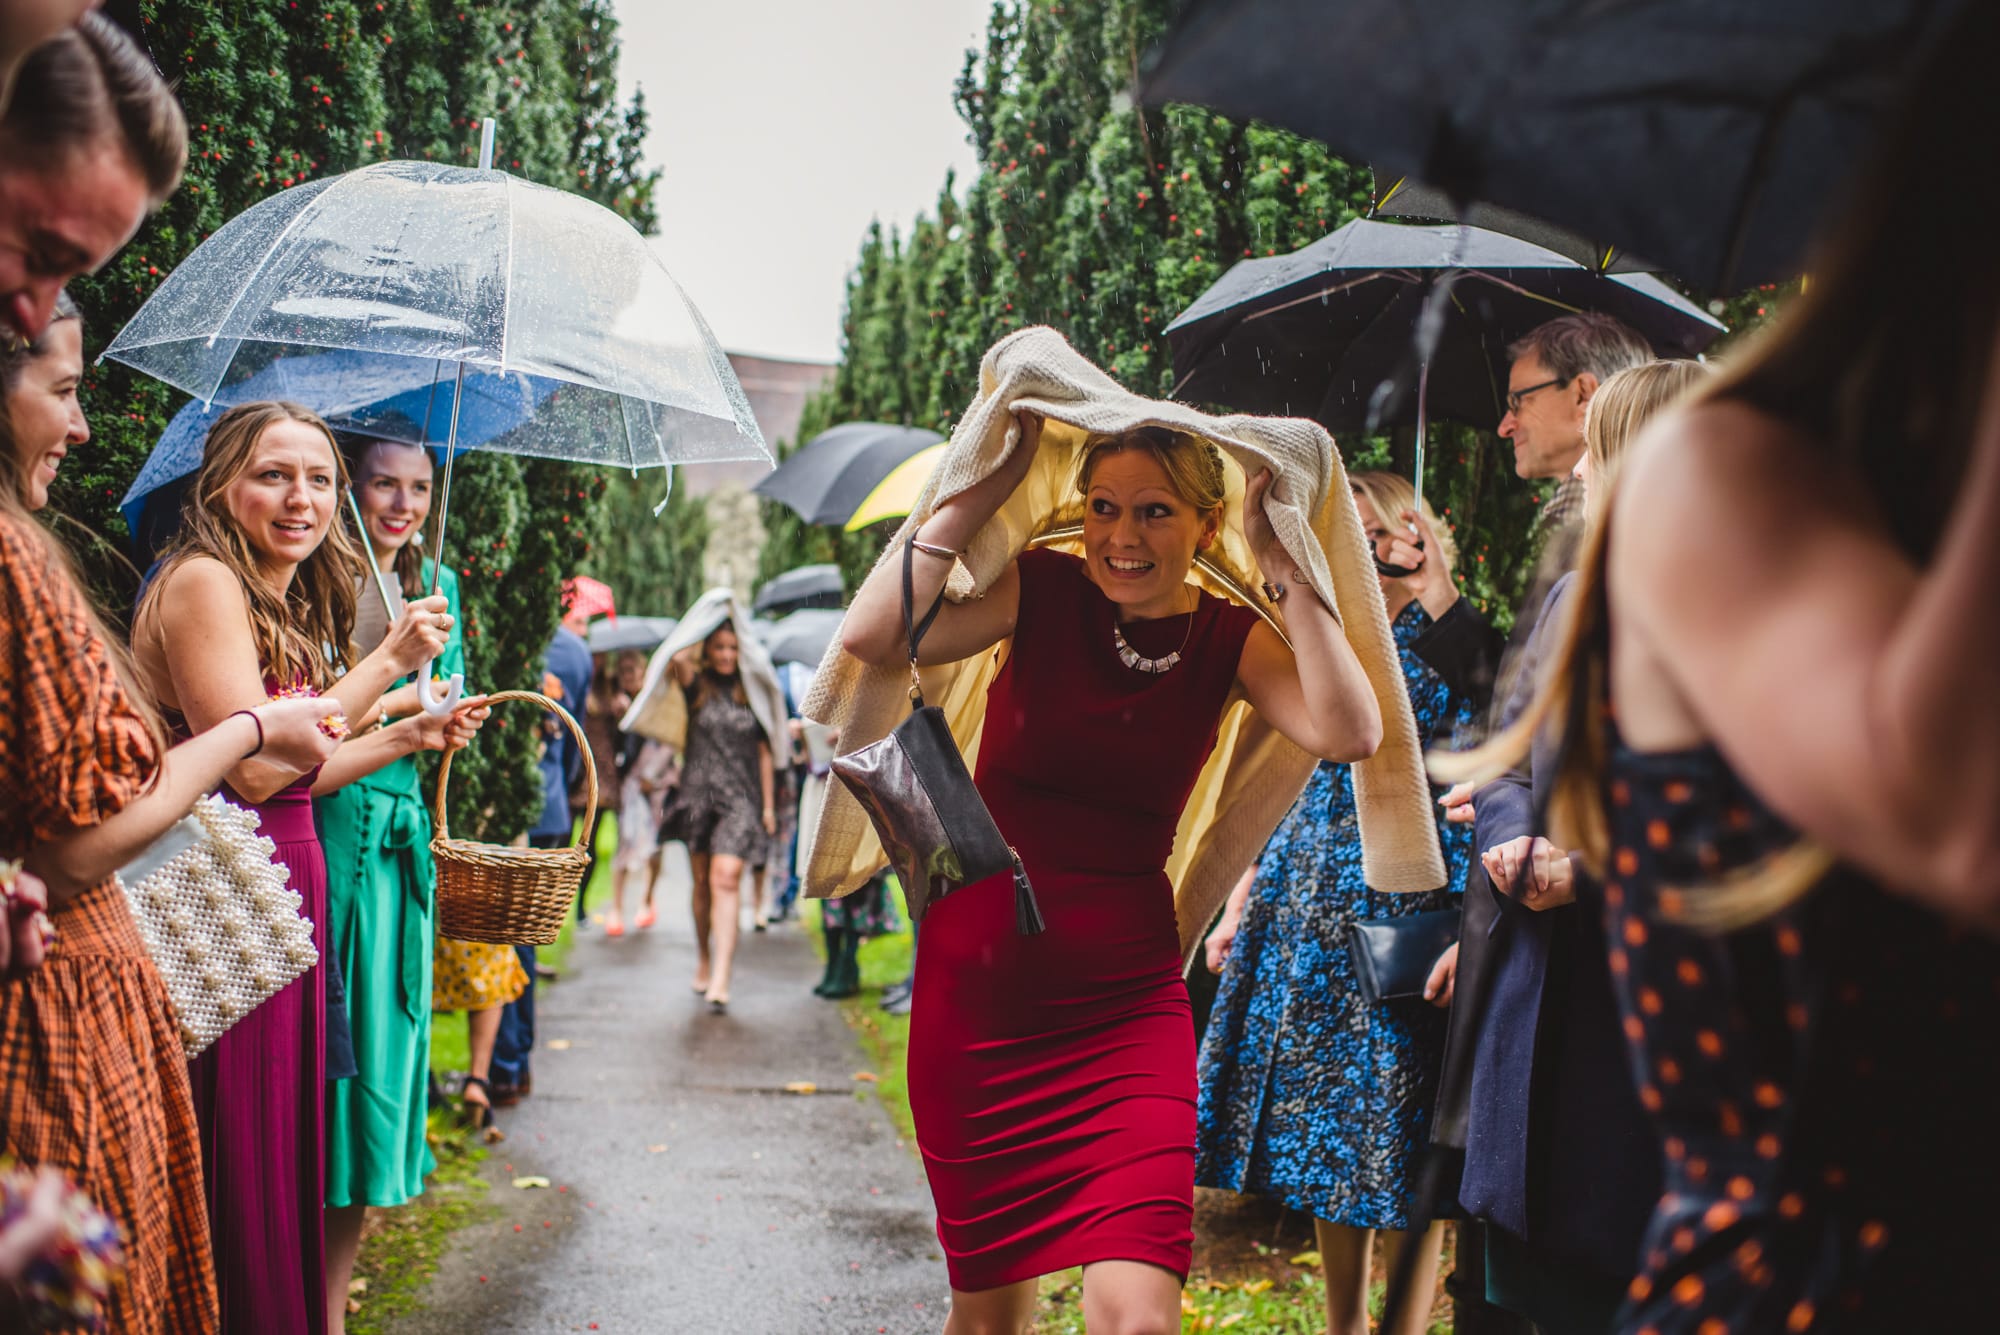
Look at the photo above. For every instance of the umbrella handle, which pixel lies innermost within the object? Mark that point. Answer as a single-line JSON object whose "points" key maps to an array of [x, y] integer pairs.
{"points": [[435, 705]]}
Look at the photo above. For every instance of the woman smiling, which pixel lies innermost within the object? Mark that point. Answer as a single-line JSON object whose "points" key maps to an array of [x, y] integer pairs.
{"points": [[1052, 1076], [256, 598]]}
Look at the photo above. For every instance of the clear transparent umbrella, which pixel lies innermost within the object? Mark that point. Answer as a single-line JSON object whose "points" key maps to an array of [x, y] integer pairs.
{"points": [[450, 272]]}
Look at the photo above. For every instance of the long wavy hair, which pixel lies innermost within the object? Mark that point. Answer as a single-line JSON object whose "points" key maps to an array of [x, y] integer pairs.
{"points": [[708, 682], [15, 358], [307, 632], [1882, 361]]}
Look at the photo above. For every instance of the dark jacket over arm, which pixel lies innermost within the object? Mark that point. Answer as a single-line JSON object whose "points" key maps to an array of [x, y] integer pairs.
{"points": [[1464, 648]]}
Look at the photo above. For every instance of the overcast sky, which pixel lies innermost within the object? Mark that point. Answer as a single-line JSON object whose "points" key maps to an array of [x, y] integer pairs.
{"points": [[780, 128]]}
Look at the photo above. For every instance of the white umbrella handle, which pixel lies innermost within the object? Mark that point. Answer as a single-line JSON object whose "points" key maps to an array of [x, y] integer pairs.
{"points": [[435, 705]]}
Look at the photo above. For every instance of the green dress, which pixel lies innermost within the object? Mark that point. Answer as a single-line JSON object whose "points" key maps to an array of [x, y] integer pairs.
{"points": [[380, 886]]}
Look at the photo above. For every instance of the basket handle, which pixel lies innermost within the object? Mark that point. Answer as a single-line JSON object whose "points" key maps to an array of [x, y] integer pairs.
{"points": [[582, 746]]}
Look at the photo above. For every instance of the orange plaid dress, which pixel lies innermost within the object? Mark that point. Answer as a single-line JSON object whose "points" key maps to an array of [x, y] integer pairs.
{"points": [[92, 1077]]}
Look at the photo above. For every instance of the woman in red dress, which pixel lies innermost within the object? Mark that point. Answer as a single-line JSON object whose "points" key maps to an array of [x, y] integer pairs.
{"points": [[1052, 1077]]}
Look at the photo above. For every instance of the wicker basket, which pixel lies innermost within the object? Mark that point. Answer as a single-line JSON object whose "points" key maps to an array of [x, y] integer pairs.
{"points": [[509, 896]]}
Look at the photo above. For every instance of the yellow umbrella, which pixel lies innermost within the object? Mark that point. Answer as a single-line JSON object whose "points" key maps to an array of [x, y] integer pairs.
{"points": [[897, 493]]}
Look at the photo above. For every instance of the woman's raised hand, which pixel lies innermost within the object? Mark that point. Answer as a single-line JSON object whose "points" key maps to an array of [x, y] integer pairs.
{"points": [[25, 933], [1430, 571], [419, 635], [966, 513], [301, 731]]}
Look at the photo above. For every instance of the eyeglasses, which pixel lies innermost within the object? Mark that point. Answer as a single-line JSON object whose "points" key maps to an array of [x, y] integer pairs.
{"points": [[1515, 396]]}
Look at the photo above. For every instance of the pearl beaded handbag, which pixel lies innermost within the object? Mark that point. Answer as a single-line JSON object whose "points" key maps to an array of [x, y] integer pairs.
{"points": [[221, 922]]}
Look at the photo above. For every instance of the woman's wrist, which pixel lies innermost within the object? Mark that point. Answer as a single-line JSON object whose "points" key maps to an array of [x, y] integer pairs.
{"points": [[257, 723]]}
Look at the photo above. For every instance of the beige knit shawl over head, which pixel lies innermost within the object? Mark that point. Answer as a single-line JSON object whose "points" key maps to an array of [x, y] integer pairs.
{"points": [[1254, 775]]}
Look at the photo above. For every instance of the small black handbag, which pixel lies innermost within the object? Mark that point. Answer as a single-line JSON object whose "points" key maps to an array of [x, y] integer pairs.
{"points": [[915, 788], [1392, 957]]}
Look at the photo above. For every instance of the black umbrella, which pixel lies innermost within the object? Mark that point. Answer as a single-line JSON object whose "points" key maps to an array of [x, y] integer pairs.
{"points": [[831, 474], [1709, 135], [610, 634], [803, 636], [1314, 333], [806, 586]]}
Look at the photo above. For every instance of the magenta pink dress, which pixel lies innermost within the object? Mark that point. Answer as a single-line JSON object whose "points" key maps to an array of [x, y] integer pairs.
{"points": [[1052, 1077], [260, 1099]]}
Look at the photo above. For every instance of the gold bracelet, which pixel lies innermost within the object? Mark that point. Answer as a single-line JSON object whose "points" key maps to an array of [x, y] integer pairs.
{"points": [[932, 549]]}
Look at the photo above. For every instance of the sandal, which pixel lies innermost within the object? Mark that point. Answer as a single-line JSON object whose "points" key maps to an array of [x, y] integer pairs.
{"points": [[647, 917], [479, 1116]]}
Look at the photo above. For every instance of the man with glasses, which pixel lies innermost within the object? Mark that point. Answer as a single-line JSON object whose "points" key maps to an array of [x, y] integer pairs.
{"points": [[1556, 369]]}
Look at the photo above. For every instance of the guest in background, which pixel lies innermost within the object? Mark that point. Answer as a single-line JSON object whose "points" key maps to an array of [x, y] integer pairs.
{"points": [[1559, 1158], [257, 599], [566, 680], [1307, 1092], [644, 770], [727, 799]]}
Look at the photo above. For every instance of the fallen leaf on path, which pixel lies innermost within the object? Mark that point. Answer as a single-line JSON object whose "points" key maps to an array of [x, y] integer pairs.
{"points": [[529, 1183], [1306, 1258], [1256, 1286], [1229, 1321], [558, 1045], [869, 1076], [352, 1307], [357, 1286], [801, 1087], [656, 1149]]}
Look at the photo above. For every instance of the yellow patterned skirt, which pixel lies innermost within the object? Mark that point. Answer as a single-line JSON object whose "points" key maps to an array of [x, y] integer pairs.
{"points": [[474, 976]]}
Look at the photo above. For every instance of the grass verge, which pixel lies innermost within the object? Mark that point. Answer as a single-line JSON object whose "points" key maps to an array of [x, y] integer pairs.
{"points": [[400, 1247]]}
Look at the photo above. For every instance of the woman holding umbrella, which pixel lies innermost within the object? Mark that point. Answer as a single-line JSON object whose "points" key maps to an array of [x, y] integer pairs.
{"points": [[376, 832], [257, 599]]}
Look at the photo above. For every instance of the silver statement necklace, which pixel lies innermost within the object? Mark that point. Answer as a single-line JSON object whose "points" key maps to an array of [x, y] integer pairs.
{"points": [[1133, 659]]}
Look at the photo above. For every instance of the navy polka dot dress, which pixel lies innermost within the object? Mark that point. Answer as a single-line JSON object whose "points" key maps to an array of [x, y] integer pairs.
{"points": [[1823, 1082]]}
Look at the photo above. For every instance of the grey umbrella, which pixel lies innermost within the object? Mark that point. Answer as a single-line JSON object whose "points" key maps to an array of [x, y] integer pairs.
{"points": [[803, 636], [805, 586], [610, 634], [830, 475]]}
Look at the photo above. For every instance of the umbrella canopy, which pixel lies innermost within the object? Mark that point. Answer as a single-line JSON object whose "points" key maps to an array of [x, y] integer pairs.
{"points": [[897, 493], [806, 586], [1315, 332], [831, 474], [614, 633], [803, 637], [432, 269], [1707, 135], [1416, 202]]}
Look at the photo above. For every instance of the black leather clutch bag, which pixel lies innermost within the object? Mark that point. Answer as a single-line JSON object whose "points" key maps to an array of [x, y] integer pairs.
{"points": [[918, 794], [1392, 957]]}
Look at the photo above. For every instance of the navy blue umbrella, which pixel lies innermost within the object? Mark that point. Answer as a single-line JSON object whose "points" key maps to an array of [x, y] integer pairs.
{"points": [[396, 398]]}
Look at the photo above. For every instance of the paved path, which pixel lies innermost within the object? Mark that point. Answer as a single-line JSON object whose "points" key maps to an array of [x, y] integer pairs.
{"points": [[766, 1212]]}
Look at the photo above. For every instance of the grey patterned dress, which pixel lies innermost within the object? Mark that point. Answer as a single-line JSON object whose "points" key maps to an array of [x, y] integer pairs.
{"points": [[721, 798], [1307, 1093]]}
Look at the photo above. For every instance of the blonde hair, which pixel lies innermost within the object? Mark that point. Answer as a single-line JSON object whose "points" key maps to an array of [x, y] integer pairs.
{"points": [[1193, 466], [307, 631], [1623, 404], [1389, 494]]}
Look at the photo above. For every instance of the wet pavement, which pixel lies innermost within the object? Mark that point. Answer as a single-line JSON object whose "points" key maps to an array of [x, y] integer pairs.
{"points": [[689, 1190]]}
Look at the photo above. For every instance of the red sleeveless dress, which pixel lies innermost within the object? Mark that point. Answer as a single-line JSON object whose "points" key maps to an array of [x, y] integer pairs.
{"points": [[1052, 1077]]}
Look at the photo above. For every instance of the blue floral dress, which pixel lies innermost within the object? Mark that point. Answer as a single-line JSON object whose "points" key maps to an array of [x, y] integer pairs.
{"points": [[1307, 1093]]}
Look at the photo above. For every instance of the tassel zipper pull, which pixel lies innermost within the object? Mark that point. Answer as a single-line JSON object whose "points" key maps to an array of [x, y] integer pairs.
{"points": [[1027, 913]]}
